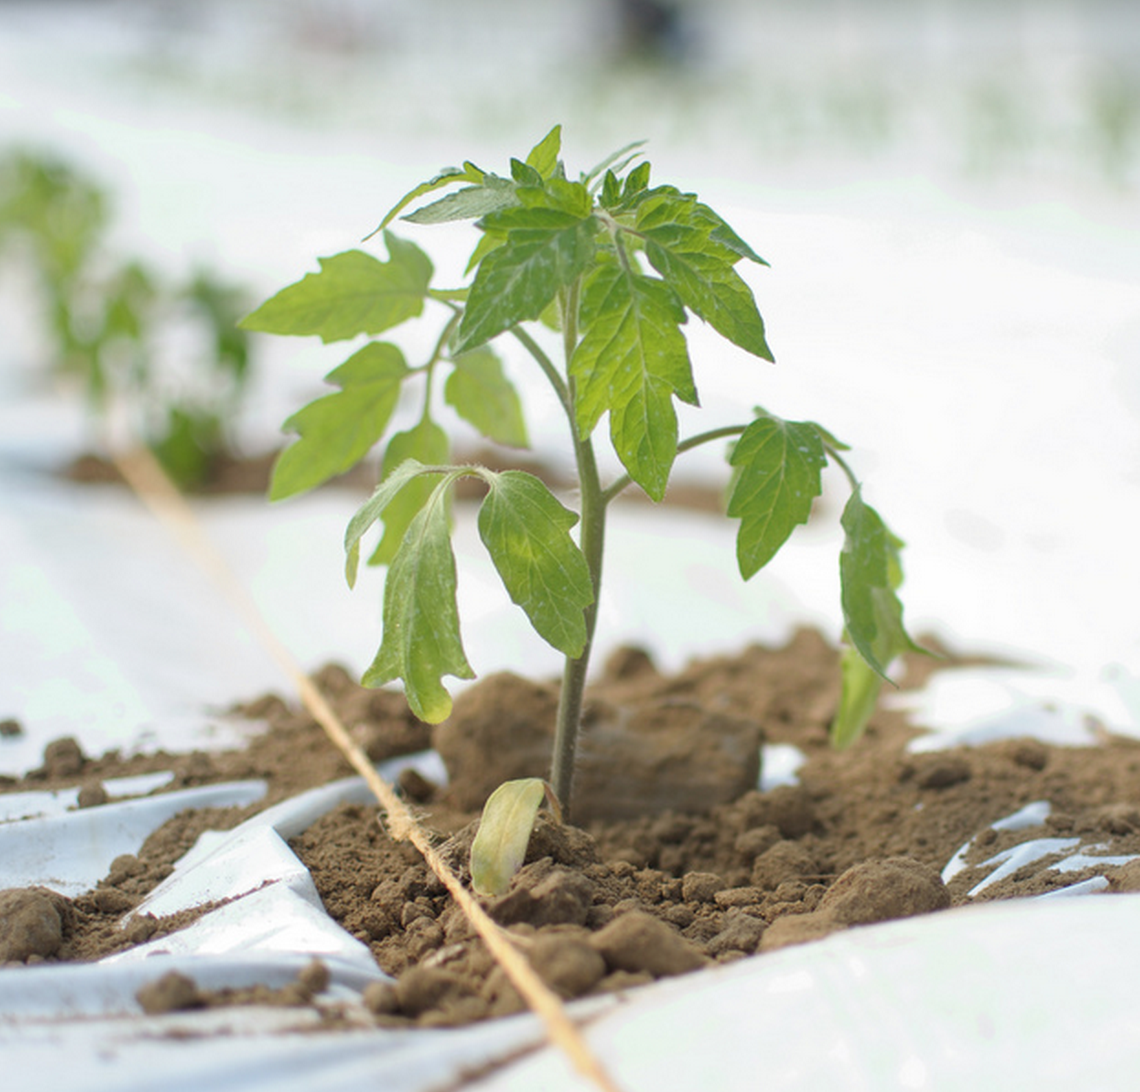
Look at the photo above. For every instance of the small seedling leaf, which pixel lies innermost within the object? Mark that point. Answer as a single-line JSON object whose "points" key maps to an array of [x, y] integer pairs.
{"points": [[779, 466], [501, 841], [354, 293], [484, 397], [526, 532], [337, 430], [420, 642]]}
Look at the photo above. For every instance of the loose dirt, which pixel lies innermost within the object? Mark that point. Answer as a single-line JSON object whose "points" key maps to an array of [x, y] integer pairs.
{"points": [[674, 861]]}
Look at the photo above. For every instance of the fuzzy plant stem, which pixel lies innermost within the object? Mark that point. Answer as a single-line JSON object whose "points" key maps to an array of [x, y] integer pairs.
{"points": [[591, 541]]}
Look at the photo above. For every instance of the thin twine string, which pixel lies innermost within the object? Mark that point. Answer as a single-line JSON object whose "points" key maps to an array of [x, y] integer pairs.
{"points": [[158, 493]]}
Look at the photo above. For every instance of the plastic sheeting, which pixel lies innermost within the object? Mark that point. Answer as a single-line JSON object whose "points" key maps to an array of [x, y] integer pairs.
{"points": [[961, 999], [956, 1001]]}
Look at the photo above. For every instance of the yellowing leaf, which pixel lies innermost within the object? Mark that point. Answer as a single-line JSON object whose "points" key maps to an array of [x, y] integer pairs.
{"points": [[500, 844]]}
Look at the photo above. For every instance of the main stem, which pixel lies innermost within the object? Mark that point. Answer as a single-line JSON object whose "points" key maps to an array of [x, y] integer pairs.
{"points": [[591, 541]]}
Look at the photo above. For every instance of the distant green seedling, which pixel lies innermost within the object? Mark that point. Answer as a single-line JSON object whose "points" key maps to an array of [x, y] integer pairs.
{"points": [[616, 265], [106, 319]]}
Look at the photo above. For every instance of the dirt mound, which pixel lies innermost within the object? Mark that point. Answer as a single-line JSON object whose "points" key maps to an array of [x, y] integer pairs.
{"points": [[650, 883]]}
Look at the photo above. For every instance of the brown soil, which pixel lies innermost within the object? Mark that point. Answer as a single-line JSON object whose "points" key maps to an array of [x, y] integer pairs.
{"points": [[708, 870]]}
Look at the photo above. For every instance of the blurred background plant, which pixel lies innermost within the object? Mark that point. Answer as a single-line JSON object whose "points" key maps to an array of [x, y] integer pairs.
{"points": [[109, 323]]}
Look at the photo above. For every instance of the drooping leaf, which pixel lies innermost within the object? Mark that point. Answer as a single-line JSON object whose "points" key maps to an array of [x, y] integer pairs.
{"points": [[542, 250], [526, 532], [505, 827], [543, 156], [484, 397], [420, 642], [337, 430], [354, 293], [779, 466], [372, 509], [695, 252], [427, 443], [870, 572], [631, 361]]}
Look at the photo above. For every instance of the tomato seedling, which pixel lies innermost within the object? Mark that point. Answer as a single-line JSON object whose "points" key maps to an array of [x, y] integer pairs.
{"points": [[108, 320], [616, 265]]}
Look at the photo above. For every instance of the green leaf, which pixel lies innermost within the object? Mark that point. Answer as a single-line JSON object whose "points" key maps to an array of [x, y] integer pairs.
{"points": [[449, 176], [722, 234], [688, 245], [620, 198], [526, 532], [779, 466], [524, 174], [483, 396], [488, 241], [469, 203], [505, 827], [371, 510], [870, 572], [338, 430], [558, 193], [636, 181], [354, 293], [543, 156], [426, 443], [420, 642], [632, 359], [543, 250], [611, 190]]}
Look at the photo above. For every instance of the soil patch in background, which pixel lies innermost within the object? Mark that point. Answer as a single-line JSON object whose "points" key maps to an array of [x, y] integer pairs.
{"points": [[232, 473], [624, 898]]}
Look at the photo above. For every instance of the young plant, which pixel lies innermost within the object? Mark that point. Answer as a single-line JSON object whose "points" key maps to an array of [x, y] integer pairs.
{"points": [[616, 265], [105, 315]]}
